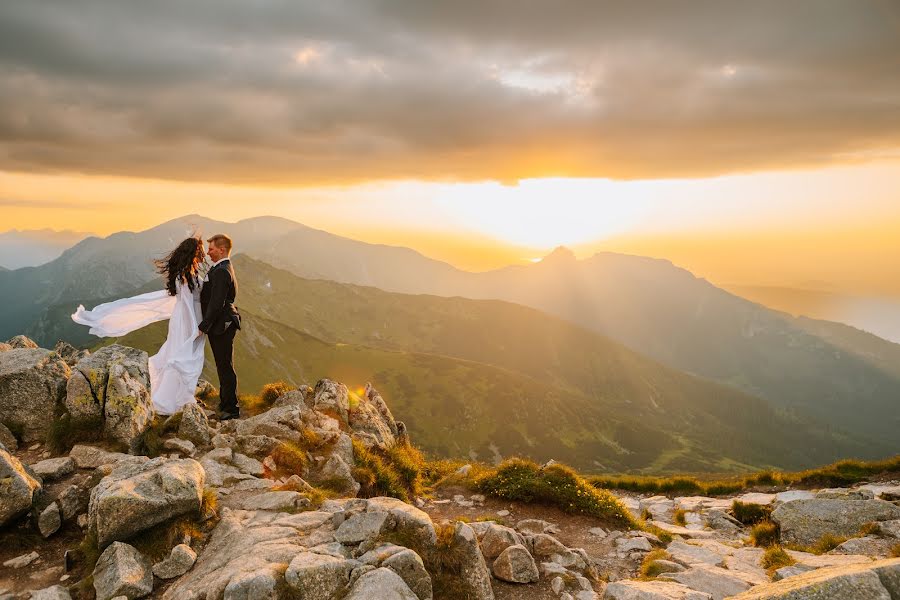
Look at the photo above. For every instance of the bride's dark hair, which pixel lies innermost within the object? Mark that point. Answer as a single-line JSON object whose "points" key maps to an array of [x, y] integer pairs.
{"points": [[182, 263]]}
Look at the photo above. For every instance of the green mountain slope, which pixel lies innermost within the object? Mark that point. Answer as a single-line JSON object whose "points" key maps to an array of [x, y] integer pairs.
{"points": [[577, 394]]}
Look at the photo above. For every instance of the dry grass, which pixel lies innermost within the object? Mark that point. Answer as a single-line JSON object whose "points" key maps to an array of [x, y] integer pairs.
{"points": [[396, 472], [650, 569], [895, 550], [679, 517], [775, 558], [750, 514], [764, 534]]}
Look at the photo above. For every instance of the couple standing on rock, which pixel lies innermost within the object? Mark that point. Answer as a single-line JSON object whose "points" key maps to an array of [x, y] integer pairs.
{"points": [[197, 307]]}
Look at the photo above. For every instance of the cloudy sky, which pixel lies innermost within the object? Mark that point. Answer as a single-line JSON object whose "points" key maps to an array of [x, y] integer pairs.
{"points": [[519, 123]]}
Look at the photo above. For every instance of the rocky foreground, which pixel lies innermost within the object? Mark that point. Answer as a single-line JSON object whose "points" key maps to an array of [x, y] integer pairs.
{"points": [[266, 507]]}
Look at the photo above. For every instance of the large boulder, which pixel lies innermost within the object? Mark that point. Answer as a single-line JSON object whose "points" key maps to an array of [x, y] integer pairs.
{"points": [[194, 425], [371, 421], [404, 522], [122, 571], [873, 581], [17, 487], [137, 496], [249, 553], [383, 584], [652, 590], [331, 397], [804, 522], [128, 410], [516, 565], [319, 576], [32, 384], [112, 385], [717, 582], [473, 579]]}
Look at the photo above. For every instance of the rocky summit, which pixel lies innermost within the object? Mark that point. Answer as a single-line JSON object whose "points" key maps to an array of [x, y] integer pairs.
{"points": [[318, 493]]}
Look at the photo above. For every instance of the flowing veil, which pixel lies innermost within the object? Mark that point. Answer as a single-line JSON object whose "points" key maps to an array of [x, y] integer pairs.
{"points": [[118, 318], [176, 367]]}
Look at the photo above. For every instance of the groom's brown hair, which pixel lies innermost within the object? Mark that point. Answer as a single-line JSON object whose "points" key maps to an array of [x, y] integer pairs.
{"points": [[222, 241]]}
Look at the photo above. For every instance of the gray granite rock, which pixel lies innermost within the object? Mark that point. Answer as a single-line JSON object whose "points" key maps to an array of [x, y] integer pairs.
{"points": [[135, 497], [122, 571], [804, 522], [17, 487], [180, 560], [32, 385], [516, 565]]}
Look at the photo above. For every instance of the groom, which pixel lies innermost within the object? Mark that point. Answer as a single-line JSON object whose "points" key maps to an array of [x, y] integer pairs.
{"points": [[221, 320]]}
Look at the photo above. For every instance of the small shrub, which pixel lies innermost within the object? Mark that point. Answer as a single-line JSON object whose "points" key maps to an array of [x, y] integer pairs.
{"points": [[775, 558], [680, 517], [764, 534], [557, 485], [750, 514], [650, 568]]}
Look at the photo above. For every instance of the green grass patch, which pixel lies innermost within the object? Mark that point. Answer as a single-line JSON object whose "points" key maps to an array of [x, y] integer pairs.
{"points": [[764, 534], [840, 474], [557, 485]]}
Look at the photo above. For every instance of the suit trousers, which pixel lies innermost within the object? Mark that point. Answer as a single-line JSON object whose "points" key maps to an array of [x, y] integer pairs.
{"points": [[223, 352]]}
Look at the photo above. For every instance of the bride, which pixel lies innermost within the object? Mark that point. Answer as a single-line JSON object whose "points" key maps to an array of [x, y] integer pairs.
{"points": [[175, 369]]}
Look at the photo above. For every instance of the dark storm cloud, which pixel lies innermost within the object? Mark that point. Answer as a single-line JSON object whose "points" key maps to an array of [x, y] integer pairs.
{"points": [[292, 92]]}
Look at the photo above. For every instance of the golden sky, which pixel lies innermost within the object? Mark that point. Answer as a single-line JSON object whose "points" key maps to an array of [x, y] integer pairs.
{"points": [[751, 142]]}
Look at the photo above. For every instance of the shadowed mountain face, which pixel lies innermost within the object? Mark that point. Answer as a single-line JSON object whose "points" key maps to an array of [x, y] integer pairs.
{"points": [[820, 371], [488, 379]]}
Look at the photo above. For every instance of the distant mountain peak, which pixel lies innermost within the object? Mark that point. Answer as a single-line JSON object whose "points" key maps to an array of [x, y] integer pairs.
{"points": [[560, 255]]}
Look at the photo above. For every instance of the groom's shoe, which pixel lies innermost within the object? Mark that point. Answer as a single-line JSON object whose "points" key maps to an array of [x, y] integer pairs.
{"points": [[227, 416]]}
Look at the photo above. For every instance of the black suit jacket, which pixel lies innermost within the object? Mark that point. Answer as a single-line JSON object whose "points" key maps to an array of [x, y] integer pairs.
{"points": [[217, 300]]}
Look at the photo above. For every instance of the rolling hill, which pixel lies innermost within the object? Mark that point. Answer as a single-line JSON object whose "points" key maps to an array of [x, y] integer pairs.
{"points": [[533, 384]]}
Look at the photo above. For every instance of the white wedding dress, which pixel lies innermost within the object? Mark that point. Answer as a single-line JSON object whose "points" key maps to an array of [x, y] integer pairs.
{"points": [[175, 369]]}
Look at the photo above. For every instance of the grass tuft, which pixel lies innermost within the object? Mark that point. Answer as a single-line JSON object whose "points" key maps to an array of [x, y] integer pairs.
{"points": [[775, 558], [750, 514], [650, 568], [679, 517], [558, 485], [827, 543], [290, 459], [764, 534], [895, 551], [378, 475]]}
